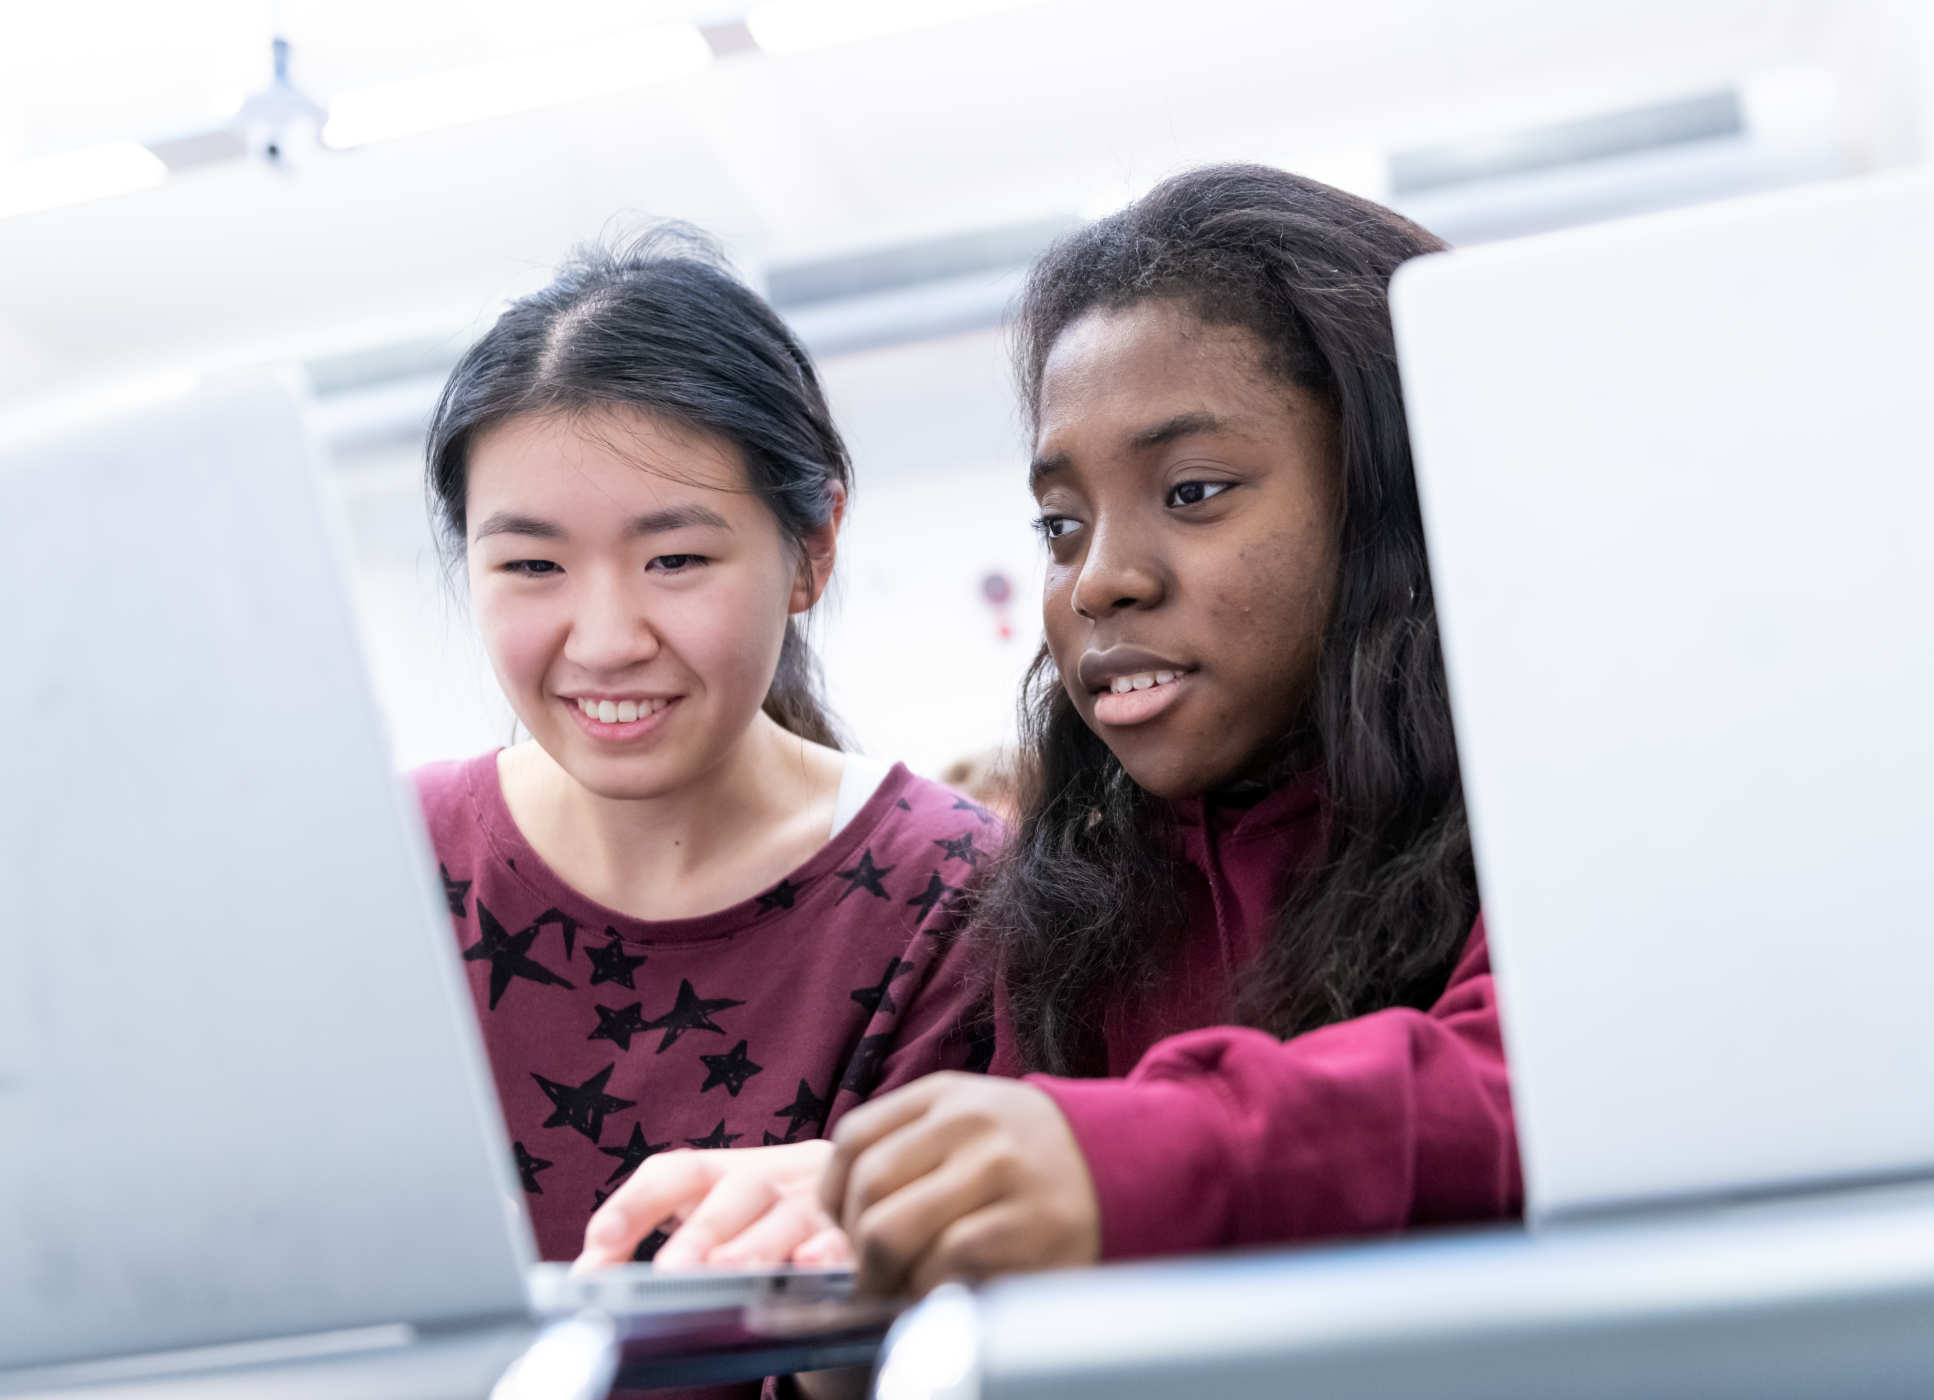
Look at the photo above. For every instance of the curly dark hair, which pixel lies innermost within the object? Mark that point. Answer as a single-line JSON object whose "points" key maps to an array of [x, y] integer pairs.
{"points": [[1084, 911]]}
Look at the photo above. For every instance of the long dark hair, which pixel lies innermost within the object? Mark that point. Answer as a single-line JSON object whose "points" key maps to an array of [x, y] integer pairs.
{"points": [[660, 325], [1084, 911]]}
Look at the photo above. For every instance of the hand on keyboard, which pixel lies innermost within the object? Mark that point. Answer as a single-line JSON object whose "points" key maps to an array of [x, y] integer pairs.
{"points": [[745, 1208]]}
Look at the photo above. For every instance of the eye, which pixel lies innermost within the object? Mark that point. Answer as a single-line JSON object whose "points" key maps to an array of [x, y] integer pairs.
{"points": [[1194, 493], [1055, 527], [676, 563], [531, 568]]}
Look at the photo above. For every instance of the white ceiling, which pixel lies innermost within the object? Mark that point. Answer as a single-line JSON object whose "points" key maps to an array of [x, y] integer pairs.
{"points": [[1044, 110]]}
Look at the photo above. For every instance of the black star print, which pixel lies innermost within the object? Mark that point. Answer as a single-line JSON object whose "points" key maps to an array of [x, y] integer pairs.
{"points": [[864, 876], [780, 896], [937, 890], [454, 891], [864, 1068], [961, 849], [528, 1167], [718, 1137], [773, 1139], [508, 954], [566, 925], [582, 1106], [805, 1110], [632, 1155], [980, 813], [619, 1024], [690, 1012], [879, 997], [649, 1246], [612, 963], [903, 805], [731, 1070]]}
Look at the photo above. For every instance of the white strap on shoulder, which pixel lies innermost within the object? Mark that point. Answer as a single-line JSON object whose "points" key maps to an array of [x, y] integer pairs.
{"points": [[859, 779]]}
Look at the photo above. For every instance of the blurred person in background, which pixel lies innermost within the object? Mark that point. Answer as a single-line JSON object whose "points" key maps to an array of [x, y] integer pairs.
{"points": [[988, 778]]}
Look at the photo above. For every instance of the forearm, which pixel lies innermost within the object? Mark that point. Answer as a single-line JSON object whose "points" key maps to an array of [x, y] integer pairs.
{"points": [[1226, 1136]]}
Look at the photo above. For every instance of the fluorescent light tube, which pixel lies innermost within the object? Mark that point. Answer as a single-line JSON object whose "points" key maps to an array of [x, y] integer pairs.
{"points": [[74, 177], [801, 26], [462, 95]]}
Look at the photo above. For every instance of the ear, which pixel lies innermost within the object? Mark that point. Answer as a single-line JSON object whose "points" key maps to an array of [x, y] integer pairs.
{"points": [[821, 547]]}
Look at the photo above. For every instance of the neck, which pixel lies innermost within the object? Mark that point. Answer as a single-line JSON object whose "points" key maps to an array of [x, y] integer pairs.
{"points": [[752, 817], [1289, 757]]}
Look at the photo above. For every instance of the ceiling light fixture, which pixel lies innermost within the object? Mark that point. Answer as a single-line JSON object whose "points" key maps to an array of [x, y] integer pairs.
{"points": [[75, 177], [803, 26], [459, 96]]}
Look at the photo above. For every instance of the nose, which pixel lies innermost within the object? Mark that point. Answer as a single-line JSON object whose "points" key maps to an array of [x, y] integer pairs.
{"points": [[1115, 574], [609, 627]]}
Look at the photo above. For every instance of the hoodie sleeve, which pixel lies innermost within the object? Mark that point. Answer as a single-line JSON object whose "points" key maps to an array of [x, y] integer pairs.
{"points": [[1229, 1136]]}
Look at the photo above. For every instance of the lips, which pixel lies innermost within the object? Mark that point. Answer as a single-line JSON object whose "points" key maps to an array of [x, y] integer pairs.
{"points": [[1131, 686], [632, 717], [1099, 670]]}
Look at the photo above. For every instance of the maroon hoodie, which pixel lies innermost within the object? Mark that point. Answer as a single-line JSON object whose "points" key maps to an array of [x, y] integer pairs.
{"points": [[1227, 1136]]}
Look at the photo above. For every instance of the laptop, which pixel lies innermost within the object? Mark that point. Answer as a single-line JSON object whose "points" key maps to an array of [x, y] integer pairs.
{"points": [[241, 1084], [1678, 486]]}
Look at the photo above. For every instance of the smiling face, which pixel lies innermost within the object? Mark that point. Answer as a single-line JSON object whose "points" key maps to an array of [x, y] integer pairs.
{"points": [[631, 592], [1188, 498]]}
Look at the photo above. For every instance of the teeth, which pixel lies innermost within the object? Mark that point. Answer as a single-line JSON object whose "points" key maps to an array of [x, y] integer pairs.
{"points": [[620, 711], [1121, 685]]}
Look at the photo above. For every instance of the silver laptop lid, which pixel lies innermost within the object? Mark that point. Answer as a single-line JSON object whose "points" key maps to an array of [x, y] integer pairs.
{"points": [[1677, 480], [240, 1091]]}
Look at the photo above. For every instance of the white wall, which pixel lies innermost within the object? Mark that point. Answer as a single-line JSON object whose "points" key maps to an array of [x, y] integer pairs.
{"points": [[912, 658]]}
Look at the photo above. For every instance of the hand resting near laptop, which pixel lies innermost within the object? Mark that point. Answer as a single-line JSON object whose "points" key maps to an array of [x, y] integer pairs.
{"points": [[739, 1208], [956, 1176]]}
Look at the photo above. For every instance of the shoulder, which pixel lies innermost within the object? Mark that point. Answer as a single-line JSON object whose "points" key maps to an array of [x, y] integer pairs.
{"points": [[924, 816], [1473, 960], [447, 793], [924, 846]]}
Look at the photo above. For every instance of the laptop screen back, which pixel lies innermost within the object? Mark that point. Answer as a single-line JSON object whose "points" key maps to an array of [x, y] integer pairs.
{"points": [[239, 1093], [1678, 486]]}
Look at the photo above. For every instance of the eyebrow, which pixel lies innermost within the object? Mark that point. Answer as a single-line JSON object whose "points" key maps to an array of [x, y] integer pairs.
{"points": [[1161, 434], [659, 522], [510, 523], [1180, 426], [656, 522]]}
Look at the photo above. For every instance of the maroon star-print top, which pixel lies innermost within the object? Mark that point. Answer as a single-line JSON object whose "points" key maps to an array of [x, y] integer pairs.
{"points": [[611, 1038]]}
